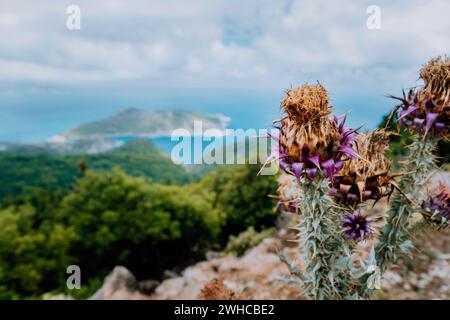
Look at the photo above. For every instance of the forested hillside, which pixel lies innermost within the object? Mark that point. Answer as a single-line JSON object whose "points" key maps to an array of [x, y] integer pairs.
{"points": [[22, 172]]}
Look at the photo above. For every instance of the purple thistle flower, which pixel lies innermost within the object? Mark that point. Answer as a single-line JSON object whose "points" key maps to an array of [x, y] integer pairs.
{"points": [[421, 114], [436, 208], [284, 165], [312, 165], [348, 151], [297, 167], [311, 173], [431, 118], [329, 166], [356, 225], [407, 112], [339, 165], [310, 143], [315, 160]]}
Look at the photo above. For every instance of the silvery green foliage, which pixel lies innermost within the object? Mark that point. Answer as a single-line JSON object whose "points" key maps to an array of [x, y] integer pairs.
{"points": [[292, 268], [323, 245], [417, 168], [373, 272]]}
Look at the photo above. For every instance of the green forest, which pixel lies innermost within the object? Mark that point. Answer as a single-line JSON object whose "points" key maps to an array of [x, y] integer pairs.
{"points": [[131, 206]]}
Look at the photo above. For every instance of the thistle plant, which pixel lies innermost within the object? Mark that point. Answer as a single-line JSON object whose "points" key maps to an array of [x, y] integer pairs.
{"points": [[313, 148], [331, 174], [425, 113]]}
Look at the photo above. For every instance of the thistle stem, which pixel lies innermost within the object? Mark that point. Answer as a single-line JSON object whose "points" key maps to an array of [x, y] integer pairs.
{"points": [[418, 166], [320, 248], [397, 231]]}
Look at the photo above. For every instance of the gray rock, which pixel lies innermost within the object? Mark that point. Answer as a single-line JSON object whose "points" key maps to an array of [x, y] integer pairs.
{"points": [[169, 274], [120, 284]]}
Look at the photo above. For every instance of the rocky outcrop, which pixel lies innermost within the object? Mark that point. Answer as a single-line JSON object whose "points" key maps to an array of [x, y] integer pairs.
{"points": [[120, 284], [254, 275]]}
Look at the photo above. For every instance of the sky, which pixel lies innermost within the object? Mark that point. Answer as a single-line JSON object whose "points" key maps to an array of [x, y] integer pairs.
{"points": [[227, 56]]}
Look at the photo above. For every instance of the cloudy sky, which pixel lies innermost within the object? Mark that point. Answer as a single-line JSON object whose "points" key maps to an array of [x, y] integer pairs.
{"points": [[203, 53]]}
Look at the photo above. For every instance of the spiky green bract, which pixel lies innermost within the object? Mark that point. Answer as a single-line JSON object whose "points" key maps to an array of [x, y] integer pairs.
{"points": [[322, 250], [417, 168]]}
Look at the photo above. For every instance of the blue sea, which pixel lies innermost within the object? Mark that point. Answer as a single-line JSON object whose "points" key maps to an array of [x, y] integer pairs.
{"points": [[37, 116]]}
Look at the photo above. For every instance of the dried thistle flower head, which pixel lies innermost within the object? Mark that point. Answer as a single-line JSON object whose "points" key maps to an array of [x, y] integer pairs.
{"points": [[365, 177], [436, 77], [436, 208], [216, 290], [427, 110], [310, 142], [306, 103]]}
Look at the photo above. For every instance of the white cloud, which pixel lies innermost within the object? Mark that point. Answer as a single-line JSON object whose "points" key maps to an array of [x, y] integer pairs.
{"points": [[11, 70], [224, 43]]}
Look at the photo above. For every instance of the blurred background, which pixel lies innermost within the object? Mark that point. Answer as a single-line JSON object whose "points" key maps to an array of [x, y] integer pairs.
{"points": [[90, 92]]}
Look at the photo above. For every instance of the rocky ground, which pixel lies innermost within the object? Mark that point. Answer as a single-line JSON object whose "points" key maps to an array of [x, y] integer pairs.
{"points": [[256, 275]]}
